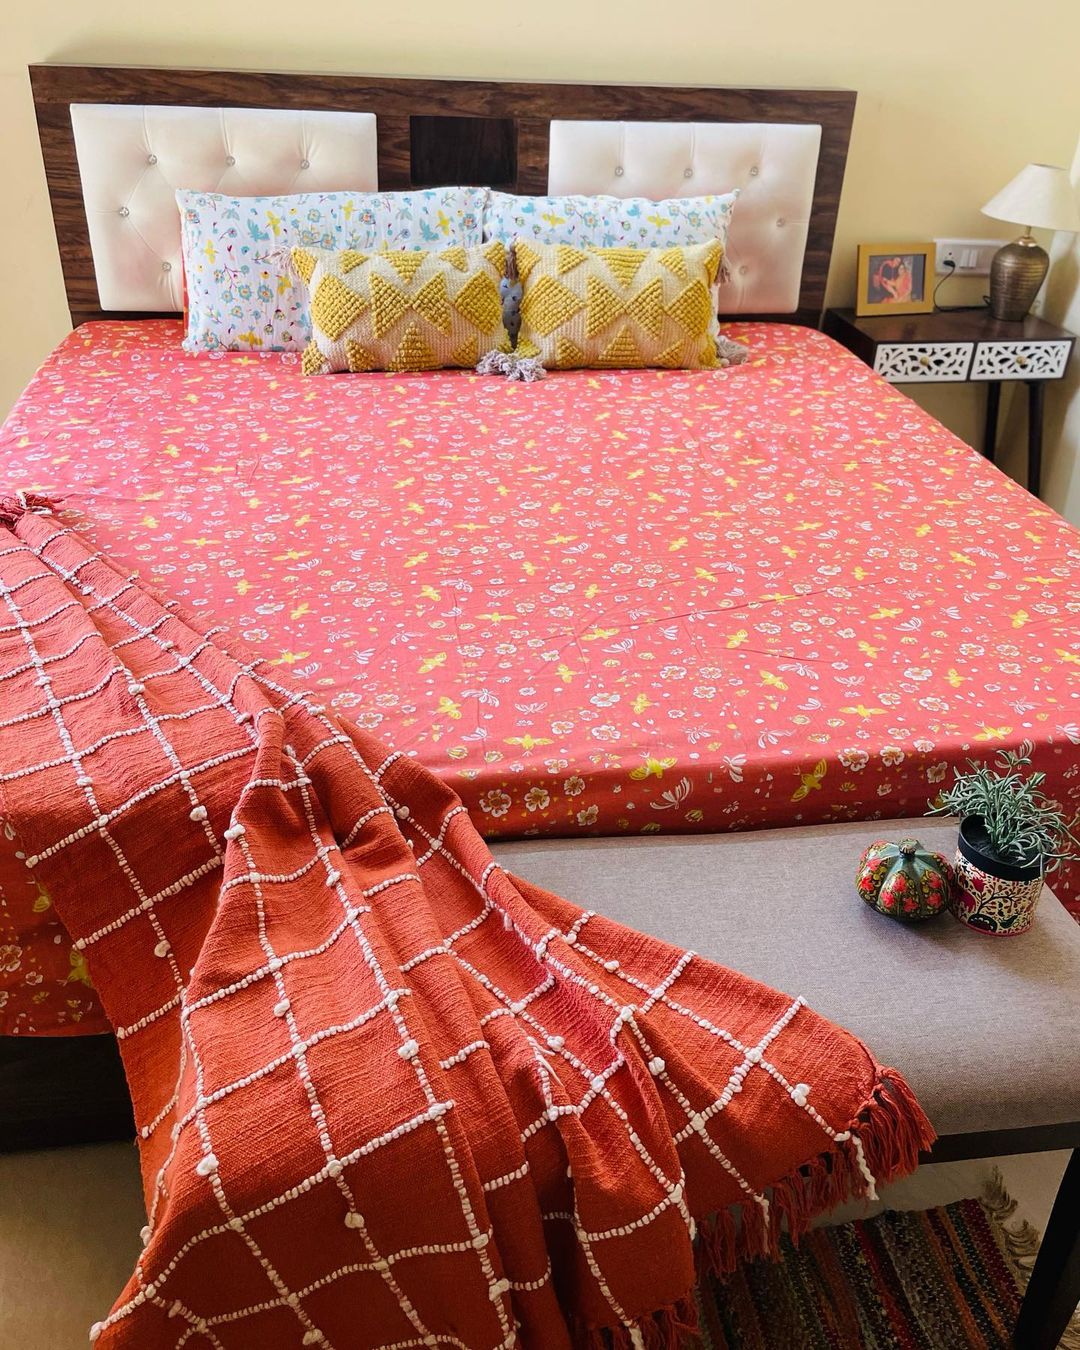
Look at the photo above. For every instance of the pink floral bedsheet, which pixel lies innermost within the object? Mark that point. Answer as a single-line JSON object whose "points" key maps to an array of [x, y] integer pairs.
{"points": [[608, 603]]}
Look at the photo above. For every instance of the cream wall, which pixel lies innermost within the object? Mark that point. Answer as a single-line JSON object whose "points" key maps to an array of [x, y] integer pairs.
{"points": [[950, 103], [1062, 305]]}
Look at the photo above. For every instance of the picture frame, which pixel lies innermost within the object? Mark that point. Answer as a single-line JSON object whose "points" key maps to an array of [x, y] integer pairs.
{"points": [[895, 279]]}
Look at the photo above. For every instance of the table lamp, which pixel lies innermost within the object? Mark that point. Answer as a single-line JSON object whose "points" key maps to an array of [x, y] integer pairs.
{"points": [[1040, 196]]}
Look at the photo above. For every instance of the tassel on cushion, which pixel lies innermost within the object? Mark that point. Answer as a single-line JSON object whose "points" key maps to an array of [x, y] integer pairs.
{"points": [[730, 352], [514, 367], [281, 258]]}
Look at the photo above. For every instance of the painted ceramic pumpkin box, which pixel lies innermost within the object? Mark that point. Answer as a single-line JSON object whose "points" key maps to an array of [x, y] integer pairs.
{"points": [[904, 880]]}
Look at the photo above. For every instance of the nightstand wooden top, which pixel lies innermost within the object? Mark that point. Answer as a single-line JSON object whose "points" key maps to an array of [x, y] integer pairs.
{"points": [[959, 325]]}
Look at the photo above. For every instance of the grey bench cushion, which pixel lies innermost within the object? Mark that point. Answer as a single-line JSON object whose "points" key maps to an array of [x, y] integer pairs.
{"points": [[985, 1029]]}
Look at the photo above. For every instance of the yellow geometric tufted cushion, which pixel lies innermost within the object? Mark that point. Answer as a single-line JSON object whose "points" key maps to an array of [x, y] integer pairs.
{"points": [[618, 307], [396, 310]]}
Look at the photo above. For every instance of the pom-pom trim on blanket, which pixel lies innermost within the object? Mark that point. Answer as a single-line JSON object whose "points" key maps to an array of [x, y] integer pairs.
{"points": [[370, 1069]]}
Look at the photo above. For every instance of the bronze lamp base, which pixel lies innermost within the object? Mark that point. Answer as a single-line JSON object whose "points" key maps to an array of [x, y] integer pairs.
{"points": [[1016, 273]]}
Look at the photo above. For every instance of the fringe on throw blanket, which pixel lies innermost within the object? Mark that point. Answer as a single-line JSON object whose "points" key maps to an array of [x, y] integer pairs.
{"points": [[883, 1143], [16, 504]]}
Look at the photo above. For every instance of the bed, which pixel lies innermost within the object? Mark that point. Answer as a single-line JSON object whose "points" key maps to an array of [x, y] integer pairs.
{"points": [[609, 603]]}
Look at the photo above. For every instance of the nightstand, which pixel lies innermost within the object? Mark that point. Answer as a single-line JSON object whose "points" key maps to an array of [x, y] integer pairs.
{"points": [[963, 346]]}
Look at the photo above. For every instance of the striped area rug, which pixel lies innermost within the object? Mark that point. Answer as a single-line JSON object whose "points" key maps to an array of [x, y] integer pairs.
{"points": [[938, 1279]]}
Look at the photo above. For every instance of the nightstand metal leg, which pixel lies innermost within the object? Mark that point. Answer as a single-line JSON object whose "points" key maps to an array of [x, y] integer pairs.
{"points": [[1036, 389], [1054, 1288], [993, 403]]}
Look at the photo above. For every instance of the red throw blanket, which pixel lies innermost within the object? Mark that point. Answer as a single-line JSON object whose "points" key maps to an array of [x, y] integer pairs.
{"points": [[387, 1095]]}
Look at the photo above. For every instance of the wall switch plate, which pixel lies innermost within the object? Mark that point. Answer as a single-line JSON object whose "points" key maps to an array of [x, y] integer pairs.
{"points": [[972, 256]]}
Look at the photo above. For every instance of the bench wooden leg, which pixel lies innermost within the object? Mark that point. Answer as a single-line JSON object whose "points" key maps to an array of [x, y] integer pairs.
{"points": [[1054, 1289]]}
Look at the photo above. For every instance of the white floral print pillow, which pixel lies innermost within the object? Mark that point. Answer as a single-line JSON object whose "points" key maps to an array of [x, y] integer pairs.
{"points": [[610, 222], [241, 295]]}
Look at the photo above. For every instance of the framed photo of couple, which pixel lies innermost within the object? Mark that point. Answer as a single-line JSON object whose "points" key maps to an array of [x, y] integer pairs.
{"points": [[895, 279]]}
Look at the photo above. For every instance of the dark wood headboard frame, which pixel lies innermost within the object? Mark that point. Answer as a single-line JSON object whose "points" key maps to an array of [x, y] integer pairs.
{"points": [[431, 132]]}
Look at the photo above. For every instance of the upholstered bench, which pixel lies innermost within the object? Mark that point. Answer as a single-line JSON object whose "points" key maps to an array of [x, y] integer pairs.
{"points": [[986, 1030]]}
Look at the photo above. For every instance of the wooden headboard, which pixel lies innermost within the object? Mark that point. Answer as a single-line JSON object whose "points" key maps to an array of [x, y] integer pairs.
{"points": [[432, 132]]}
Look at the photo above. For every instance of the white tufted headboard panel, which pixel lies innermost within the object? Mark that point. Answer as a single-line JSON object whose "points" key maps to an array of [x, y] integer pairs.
{"points": [[100, 126], [773, 164], [132, 158]]}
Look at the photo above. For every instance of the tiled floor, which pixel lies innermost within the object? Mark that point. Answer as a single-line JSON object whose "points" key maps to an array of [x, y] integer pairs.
{"points": [[70, 1220]]}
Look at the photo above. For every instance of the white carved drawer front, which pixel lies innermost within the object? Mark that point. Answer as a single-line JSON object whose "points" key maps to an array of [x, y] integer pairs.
{"points": [[1020, 360], [923, 362]]}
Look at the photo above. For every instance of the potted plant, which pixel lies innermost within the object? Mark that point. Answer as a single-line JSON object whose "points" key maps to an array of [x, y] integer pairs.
{"points": [[1011, 836]]}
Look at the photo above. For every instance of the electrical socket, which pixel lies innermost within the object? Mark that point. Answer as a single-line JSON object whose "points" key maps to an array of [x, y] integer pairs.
{"points": [[971, 256]]}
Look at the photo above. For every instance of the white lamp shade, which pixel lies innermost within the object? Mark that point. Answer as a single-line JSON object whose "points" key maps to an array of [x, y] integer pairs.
{"points": [[1040, 195]]}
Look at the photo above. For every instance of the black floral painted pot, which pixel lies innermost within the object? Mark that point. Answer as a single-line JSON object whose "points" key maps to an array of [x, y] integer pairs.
{"points": [[988, 894]]}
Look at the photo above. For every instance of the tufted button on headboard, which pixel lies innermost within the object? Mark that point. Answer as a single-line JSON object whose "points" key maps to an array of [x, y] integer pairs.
{"points": [[132, 158], [774, 166]]}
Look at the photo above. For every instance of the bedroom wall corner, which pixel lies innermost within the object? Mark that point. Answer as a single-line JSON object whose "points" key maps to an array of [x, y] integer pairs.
{"points": [[1062, 306]]}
